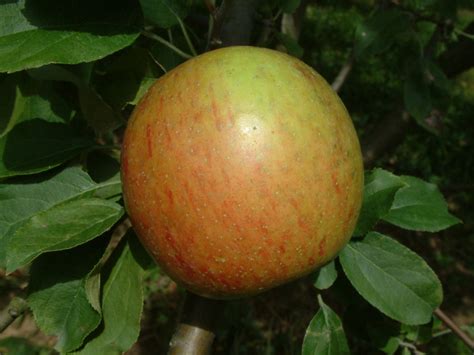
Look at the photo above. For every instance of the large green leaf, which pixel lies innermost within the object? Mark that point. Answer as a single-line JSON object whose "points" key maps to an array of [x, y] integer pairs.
{"points": [[62, 227], [379, 192], [35, 33], [34, 195], [420, 206], [392, 278], [165, 13], [58, 297], [37, 145], [325, 335], [122, 303]]}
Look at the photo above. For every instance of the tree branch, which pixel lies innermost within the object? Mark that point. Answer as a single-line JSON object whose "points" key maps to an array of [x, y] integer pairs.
{"points": [[234, 23], [455, 328], [196, 330], [343, 73]]}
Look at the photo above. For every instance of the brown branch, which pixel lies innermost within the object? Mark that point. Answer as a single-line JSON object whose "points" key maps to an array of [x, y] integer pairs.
{"points": [[15, 308], [455, 328], [343, 73], [194, 335], [234, 22], [196, 330]]}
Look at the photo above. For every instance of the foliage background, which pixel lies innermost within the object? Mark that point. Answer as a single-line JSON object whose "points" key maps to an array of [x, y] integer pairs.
{"points": [[72, 72]]}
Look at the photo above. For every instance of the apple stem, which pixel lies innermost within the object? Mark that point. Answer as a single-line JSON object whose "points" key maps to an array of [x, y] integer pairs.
{"points": [[196, 330]]}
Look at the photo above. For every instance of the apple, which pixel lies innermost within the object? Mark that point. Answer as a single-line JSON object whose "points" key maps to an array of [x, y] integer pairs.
{"points": [[241, 171]]}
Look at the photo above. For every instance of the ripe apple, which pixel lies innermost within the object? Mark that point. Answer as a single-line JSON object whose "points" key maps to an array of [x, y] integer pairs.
{"points": [[241, 171]]}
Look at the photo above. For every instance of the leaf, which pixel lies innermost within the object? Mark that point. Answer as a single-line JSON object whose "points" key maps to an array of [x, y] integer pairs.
{"points": [[100, 116], [122, 303], [33, 195], [35, 33], [12, 103], [37, 145], [125, 75], [417, 97], [165, 13], [420, 206], [392, 278], [62, 227], [378, 33], [291, 45], [326, 276], [289, 6], [58, 297], [379, 192], [18, 346], [325, 334], [145, 84], [167, 58]]}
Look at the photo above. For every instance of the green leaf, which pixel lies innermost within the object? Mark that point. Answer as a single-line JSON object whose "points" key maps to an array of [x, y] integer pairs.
{"points": [[417, 97], [392, 278], [35, 33], [325, 334], [100, 116], [326, 276], [164, 55], [289, 6], [165, 13], [37, 145], [420, 206], [17, 346], [291, 45], [126, 75], [61, 227], [379, 192], [25, 99], [145, 84], [34, 195], [122, 303], [58, 297], [379, 32]]}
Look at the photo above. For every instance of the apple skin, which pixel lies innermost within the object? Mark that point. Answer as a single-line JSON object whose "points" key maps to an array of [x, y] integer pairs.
{"points": [[241, 171]]}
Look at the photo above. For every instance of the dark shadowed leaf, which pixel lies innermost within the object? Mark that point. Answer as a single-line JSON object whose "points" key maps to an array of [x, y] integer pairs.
{"points": [[122, 303], [289, 6], [62, 227], [420, 206], [38, 32], [37, 145], [326, 276], [167, 58], [379, 192], [100, 116], [58, 297], [325, 335], [26, 99], [164, 13], [417, 97], [34, 195], [392, 278], [378, 32]]}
